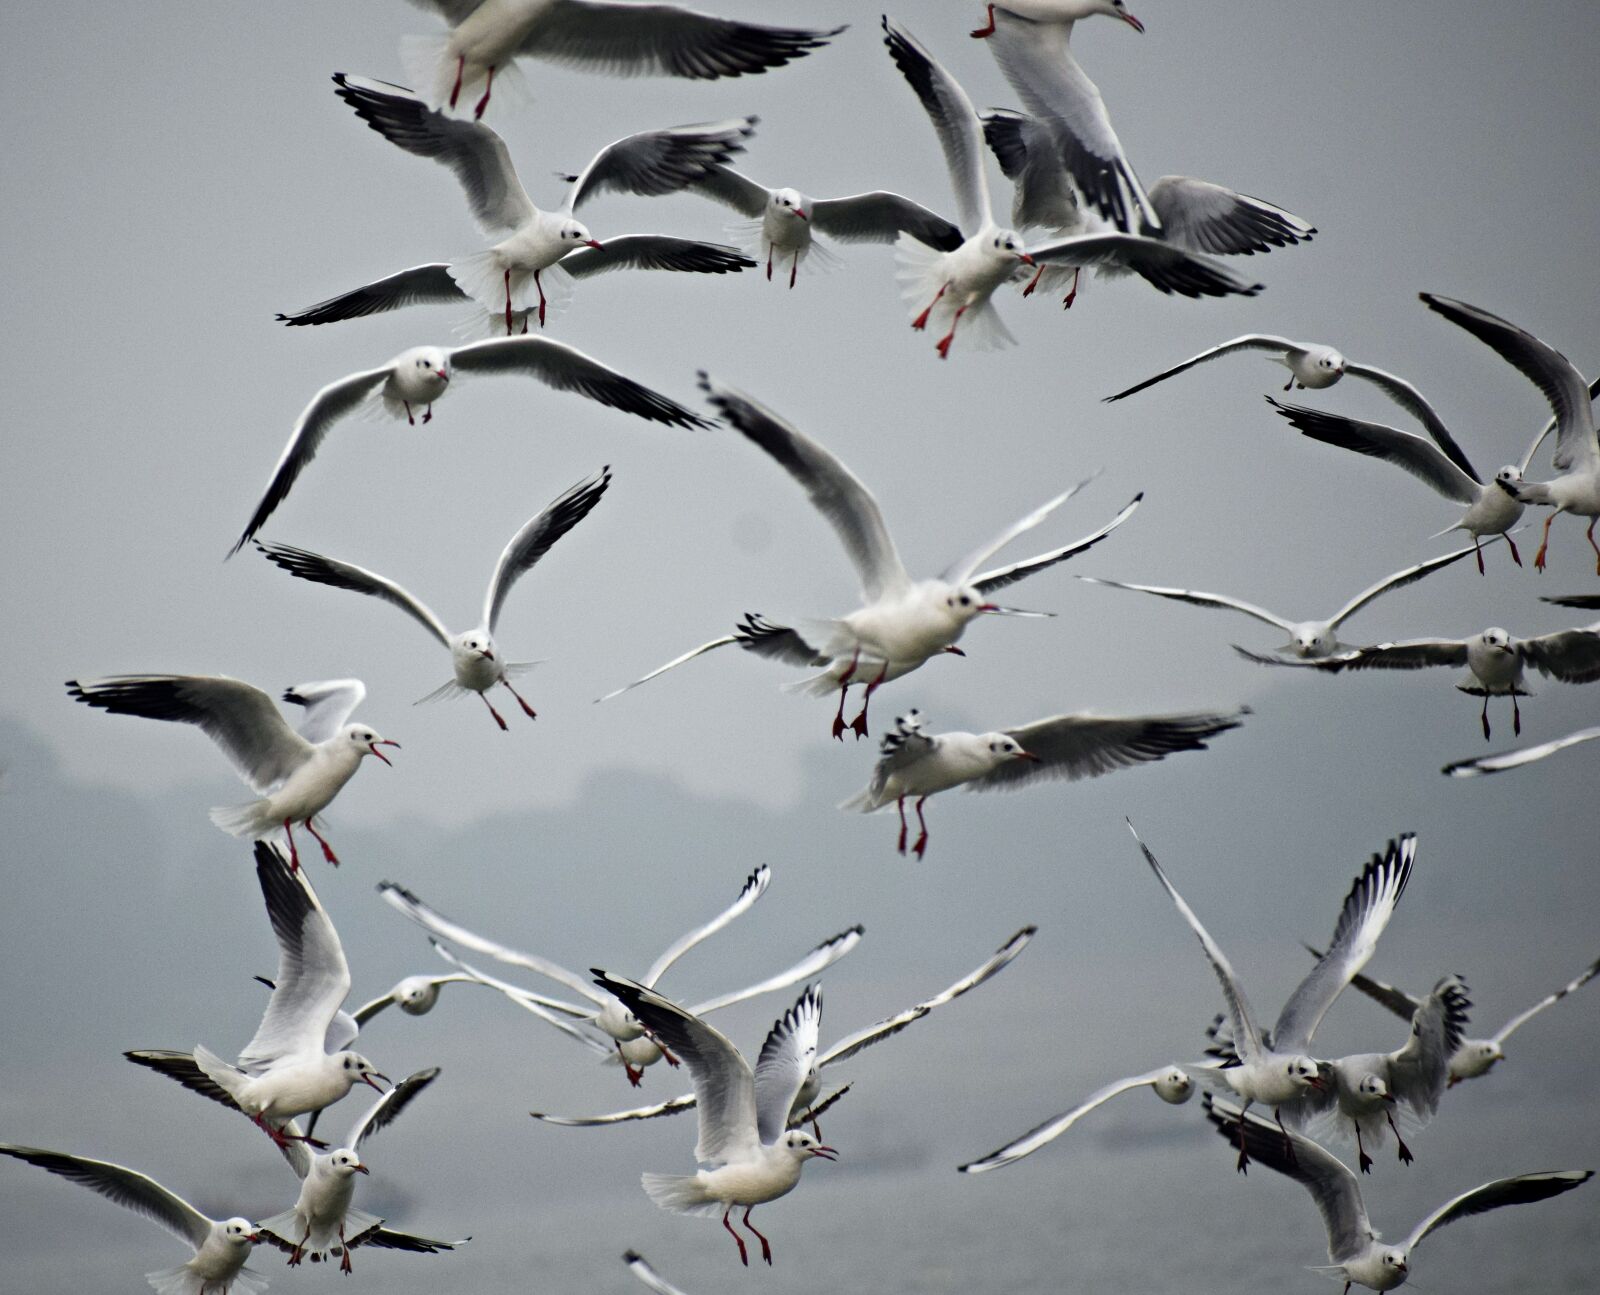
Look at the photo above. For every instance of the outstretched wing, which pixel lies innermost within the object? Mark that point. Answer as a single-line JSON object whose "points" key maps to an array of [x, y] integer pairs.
{"points": [[1198, 599], [346, 575], [1415, 454], [754, 887], [988, 582], [421, 285], [1206, 217], [656, 162], [128, 1188], [1524, 1189], [1069, 747], [786, 1058], [537, 536], [1248, 342], [387, 1108]]}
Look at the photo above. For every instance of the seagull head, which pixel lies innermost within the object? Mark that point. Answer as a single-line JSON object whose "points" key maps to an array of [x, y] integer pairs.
{"points": [[1313, 639], [428, 367], [360, 736], [788, 202], [1395, 1261], [1117, 9], [361, 1071], [416, 995], [1509, 479], [965, 602], [1374, 1086], [239, 1232], [576, 233], [1497, 638], [345, 1162], [1305, 1073], [1327, 362], [1174, 1086], [1007, 245], [1002, 747], [1479, 1055], [474, 645], [803, 1146]]}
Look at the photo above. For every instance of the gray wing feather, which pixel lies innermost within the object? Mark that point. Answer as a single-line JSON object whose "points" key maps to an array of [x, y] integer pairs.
{"points": [[1411, 400], [387, 1108], [328, 705], [1198, 599], [656, 162], [1248, 342], [989, 581], [345, 575], [420, 285], [1206, 217], [1416, 454], [1054, 1127], [1573, 656], [1069, 747], [1399, 580], [754, 887], [128, 1188], [1164, 266], [537, 536], [655, 252], [880, 217], [786, 1057], [1419, 1071], [1524, 1189], [733, 189]]}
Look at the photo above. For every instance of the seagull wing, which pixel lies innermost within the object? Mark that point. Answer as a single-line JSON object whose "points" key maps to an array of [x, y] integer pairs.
{"points": [[656, 162], [420, 285], [1399, 580], [824, 955], [239, 718], [327, 407], [475, 154], [1390, 996], [568, 369], [438, 924], [537, 536], [733, 189], [723, 1085], [1516, 759], [835, 491], [1069, 747], [754, 887], [1365, 912], [880, 217], [1419, 1071], [1416, 454], [552, 1011], [786, 1058], [1247, 342], [1577, 448], [1043, 195], [655, 252], [989, 581], [1052, 1129], [1411, 400], [649, 1276], [1550, 426], [958, 573], [182, 1067], [328, 704], [313, 977], [850, 1045], [955, 121], [132, 1190], [387, 1108], [1198, 599], [1549, 1000], [1246, 1037], [669, 1107], [1524, 1189], [1167, 267], [1206, 217], [367, 1011], [661, 39], [1572, 656], [344, 575]]}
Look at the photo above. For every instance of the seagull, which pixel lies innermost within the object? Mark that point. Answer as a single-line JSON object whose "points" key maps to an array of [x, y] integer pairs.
{"points": [[1472, 1057], [532, 241], [297, 1062], [752, 1154], [221, 1246], [1368, 1087], [805, 1106], [1307, 639], [917, 765], [1357, 1256], [1516, 759], [485, 37], [1171, 1084], [1577, 455], [627, 1037], [478, 663], [1494, 661], [901, 622], [323, 1219], [1274, 1068], [1194, 214], [421, 375], [959, 284], [782, 221], [640, 1267], [297, 774]]}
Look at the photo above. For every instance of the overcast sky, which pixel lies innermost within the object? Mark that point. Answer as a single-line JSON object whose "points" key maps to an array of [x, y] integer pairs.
{"points": [[176, 177]]}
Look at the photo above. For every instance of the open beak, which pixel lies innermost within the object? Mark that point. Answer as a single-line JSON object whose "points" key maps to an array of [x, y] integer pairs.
{"points": [[826, 1153], [997, 610], [374, 1075], [1317, 1083], [1132, 22], [599, 247], [486, 654], [362, 1169], [373, 747]]}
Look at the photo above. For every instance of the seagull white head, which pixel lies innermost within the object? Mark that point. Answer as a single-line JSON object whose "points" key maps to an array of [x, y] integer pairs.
{"points": [[1305, 1073], [1478, 1056], [239, 1232], [1374, 1086], [1002, 747], [1174, 1087], [359, 735], [1326, 360], [964, 602], [577, 234], [416, 995], [361, 1071], [803, 1146], [423, 372], [1495, 637], [1313, 639], [1509, 479], [344, 1162], [788, 202], [1006, 245], [474, 645]]}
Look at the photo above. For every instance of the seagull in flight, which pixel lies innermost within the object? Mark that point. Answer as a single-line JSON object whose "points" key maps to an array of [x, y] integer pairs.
{"points": [[478, 662], [1516, 759], [297, 774]]}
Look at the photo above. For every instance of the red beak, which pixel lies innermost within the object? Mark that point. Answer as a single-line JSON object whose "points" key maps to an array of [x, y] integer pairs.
{"points": [[373, 747], [487, 655], [254, 1237], [593, 244], [370, 1077], [1029, 755], [953, 650], [1026, 259], [801, 214], [443, 373], [988, 607], [1132, 22], [826, 1153]]}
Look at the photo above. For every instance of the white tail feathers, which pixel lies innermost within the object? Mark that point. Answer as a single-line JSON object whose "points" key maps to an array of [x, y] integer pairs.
{"points": [[429, 67], [862, 800], [183, 1280], [679, 1193], [482, 276], [922, 273], [228, 1078], [248, 820]]}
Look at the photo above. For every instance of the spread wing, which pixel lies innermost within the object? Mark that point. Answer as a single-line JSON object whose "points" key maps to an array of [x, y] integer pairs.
{"points": [[1516, 759], [387, 1108], [988, 582], [786, 1058], [824, 955], [328, 705], [880, 217], [1418, 1072], [420, 285], [1411, 400], [345, 575], [1415, 454], [670, 1107], [958, 573], [1069, 747], [1399, 580], [1198, 599], [1248, 342], [128, 1188], [1524, 1189], [1572, 656], [1206, 217], [1165, 266], [537, 536], [754, 887], [648, 1275], [1042, 193], [656, 162], [1549, 1000], [655, 252]]}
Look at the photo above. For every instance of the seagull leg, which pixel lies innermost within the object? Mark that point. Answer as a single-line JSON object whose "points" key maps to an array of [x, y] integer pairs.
{"points": [[1544, 543], [539, 286], [294, 854], [1033, 282], [668, 1057], [508, 301], [1289, 385], [344, 1262], [921, 321], [1593, 545], [526, 709], [859, 724], [1516, 720], [493, 711], [428, 416], [635, 1073], [738, 1240], [1512, 545], [476, 114], [944, 342], [921, 847], [794, 269], [900, 804], [1066, 302], [1405, 1152], [844, 688], [1478, 549], [1243, 1163], [461, 69], [327, 850], [1288, 1142], [983, 33], [299, 1251], [409, 417], [1485, 717], [766, 1250], [1362, 1158]]}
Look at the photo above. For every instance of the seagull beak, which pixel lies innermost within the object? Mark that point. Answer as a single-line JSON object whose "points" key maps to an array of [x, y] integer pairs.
{"points": [[953, 650], [1029, 755], [373, 747], [487, 655], [825, 1153], [254, 1238], [998, 610], [800, 212], [444, 374], [989, 607], [1025, 258], [599, 247], [1132, 22], [362, 1169], [371, 1076], [1390, 1098]]}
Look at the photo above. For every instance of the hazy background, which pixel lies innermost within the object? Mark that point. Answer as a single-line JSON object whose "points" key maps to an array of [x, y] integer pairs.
{"points": [[177, 174]]}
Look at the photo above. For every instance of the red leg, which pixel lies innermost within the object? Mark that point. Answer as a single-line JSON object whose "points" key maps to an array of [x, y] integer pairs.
{"points": [[428, 416], [1288, 1142], [986, 31], [900, 804], [539, 286], [738, 1240], [294, 854], [1066, 302], [1405, 1152], [344, 1262], [635, 1073], [859, 724], [327, 850], [1512, 545], [844, 686], [668, 1057], [766, 1250], [944, 342], [484, 102], [461, 68], [508, 302], [493, 711], [1033, 282], [1544, 543], [921, 847], [794, 268], [526, 709], [409, 418], [921, 321]]}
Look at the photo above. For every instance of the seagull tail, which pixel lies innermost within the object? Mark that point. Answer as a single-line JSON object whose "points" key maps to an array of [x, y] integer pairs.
{"points": [[863, 800], [428, 66], [678, 1193], [183, 1280], [248, 820], [226, 1077]]}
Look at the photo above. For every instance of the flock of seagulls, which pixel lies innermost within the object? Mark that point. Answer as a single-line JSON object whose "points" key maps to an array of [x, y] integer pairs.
{"points": [[1078, 204]]}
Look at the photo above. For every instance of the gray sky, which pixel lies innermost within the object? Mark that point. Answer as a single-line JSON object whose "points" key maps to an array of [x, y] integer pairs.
{"points": [[179, 182]]}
